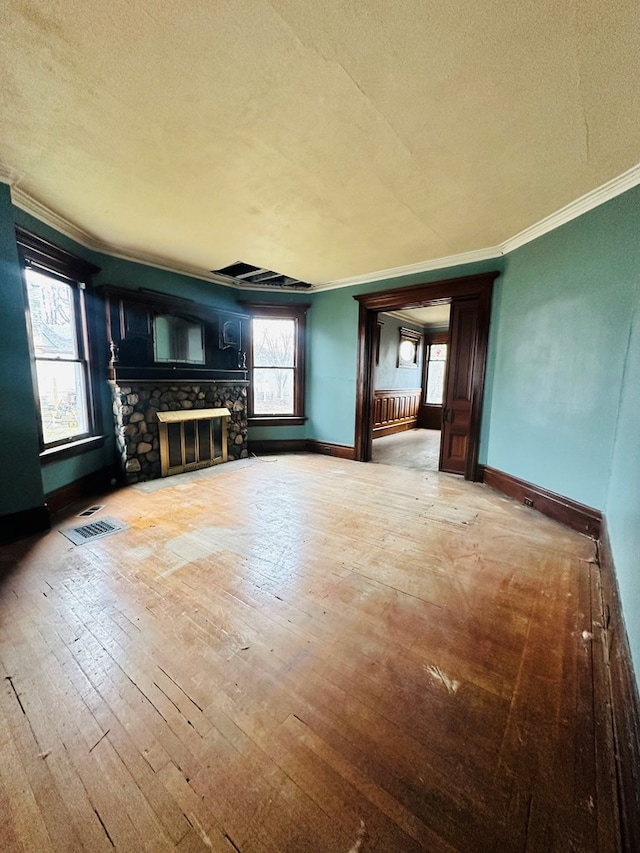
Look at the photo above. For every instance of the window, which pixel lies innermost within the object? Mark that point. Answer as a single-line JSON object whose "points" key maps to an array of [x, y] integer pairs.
{"points": [[55, 290], [277, 364], [409, 347], [436, 363]]}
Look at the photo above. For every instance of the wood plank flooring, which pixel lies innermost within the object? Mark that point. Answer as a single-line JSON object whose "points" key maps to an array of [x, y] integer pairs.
{"points": [[414, 448], [305, 654]]}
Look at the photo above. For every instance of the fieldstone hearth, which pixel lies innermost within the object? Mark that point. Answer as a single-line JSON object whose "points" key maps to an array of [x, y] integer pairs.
{"points": [[135, 407]]}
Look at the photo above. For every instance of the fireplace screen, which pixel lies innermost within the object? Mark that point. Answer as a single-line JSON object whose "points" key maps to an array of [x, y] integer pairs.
{"points": [[192, 439]]}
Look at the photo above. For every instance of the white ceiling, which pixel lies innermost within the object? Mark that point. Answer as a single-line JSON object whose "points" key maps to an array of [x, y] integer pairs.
{"points": [[323, 140], [432, 316]]}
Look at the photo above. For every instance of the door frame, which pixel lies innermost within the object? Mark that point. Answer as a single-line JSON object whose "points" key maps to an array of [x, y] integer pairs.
{"points": [[418, 296]]}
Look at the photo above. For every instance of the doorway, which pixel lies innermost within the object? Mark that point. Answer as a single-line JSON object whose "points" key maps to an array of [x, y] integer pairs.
{"points": [[410, 369], [470, 301]]}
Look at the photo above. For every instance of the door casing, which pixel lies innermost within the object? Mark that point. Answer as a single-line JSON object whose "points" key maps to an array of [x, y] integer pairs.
{"points": [[417, 296]]}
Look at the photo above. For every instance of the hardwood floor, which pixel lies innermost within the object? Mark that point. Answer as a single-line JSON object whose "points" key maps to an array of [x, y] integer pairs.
{"points": [[414, 448], [305, 654]]}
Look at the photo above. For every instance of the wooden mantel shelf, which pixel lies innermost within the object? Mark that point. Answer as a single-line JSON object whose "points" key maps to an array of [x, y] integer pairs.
{"points": [[192, 415]]}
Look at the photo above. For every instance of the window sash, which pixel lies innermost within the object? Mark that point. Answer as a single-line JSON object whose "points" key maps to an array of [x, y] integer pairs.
{"points": [[260, 412], [63, 397]]}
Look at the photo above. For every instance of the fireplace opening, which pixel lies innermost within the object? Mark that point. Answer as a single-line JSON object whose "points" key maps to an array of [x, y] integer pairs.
{"points": [[192, 439]]}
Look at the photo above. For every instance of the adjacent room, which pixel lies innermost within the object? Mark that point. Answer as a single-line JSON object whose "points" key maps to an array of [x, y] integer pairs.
{"points": [[319, 354]]}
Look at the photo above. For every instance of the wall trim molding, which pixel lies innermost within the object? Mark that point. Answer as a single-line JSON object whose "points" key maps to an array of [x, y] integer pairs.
{"points": [[277, 446], [590, 200], [96, 483], [624, 699], [301, 445], [584, 519], [17, 525], [340, 451], [461, 259], [615, 187]]}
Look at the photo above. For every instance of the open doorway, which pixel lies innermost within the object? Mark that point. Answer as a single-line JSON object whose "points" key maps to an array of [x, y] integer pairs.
{"points": [[470, 301], [409, 384]]}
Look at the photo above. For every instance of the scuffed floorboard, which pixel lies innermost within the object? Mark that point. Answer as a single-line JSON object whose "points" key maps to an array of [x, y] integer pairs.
{"points": [[306, 654]]}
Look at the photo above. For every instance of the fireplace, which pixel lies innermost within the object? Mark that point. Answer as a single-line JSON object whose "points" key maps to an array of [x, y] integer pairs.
{"points": [[179, 382], [140, 408], [192, 439]]}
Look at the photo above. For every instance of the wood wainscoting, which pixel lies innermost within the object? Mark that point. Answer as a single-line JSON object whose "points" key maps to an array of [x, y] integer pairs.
{"points": [[395, 411]]}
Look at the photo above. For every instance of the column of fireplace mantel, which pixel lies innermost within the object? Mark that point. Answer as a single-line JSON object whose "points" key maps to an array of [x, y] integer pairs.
{"points": [[201, 445]]}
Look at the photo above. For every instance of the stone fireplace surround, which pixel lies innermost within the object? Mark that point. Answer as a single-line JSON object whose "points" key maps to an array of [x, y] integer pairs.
{"points": [[135, 404]]}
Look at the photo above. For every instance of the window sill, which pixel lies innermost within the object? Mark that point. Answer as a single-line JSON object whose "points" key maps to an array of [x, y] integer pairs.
{"points": [[277, 420], [73, 448]]}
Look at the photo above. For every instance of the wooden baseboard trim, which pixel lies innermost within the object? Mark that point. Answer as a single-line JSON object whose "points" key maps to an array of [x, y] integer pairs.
{"points": [[17, 525], [298, 445], [92, 484], [625, 702], [378, 432], [577, 516], [341, 451], [291, 445]]}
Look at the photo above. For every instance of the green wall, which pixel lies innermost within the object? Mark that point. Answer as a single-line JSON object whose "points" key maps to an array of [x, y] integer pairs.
{"points": [[390, 377], [19, 442], [560, 335], [623, 495]]}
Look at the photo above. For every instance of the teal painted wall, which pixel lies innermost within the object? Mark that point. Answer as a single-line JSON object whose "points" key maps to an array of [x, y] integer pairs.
{"points": [[562, 321], [623, 495], [19, 442], [388, 375]]}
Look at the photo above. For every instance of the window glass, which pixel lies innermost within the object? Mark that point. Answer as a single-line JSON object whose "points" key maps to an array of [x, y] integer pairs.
{"points": [[277, 363], [52, 316], [63, 409], [273, 391], [435, 373], [59, 363], [273, 342]]}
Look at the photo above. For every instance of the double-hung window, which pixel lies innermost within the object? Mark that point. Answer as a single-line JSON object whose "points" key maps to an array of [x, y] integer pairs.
{"points": [[277, 364], [57, 321], [435, 373]]}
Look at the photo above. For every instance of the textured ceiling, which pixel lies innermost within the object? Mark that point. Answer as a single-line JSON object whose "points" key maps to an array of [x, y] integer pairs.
{"points": [[433, 316], [319, 139]]}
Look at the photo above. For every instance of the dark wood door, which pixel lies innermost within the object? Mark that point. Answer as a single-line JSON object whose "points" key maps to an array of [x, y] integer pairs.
{"points": [[458, 416]]}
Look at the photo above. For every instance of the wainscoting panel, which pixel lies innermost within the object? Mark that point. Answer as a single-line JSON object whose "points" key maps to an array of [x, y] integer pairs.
{"points": [[394, 411]]}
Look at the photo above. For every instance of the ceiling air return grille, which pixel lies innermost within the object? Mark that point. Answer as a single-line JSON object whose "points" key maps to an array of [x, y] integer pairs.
{"points": [[247, 274]]}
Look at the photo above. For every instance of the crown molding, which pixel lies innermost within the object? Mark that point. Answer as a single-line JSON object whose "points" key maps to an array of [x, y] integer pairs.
{"points": [[615, 187], [407, 317], [84, 238], [626, 181], [413, 269]]}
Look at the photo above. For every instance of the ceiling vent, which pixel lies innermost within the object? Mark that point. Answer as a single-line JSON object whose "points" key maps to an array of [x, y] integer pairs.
{"points": [[247, 274]]}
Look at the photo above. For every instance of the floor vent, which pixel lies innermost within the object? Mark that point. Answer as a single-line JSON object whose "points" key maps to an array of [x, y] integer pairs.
{"points": [[90, 510], [92, 531]]}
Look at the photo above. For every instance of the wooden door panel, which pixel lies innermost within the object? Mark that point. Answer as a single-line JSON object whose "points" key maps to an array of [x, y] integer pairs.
{"points": [[458, 403]]}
